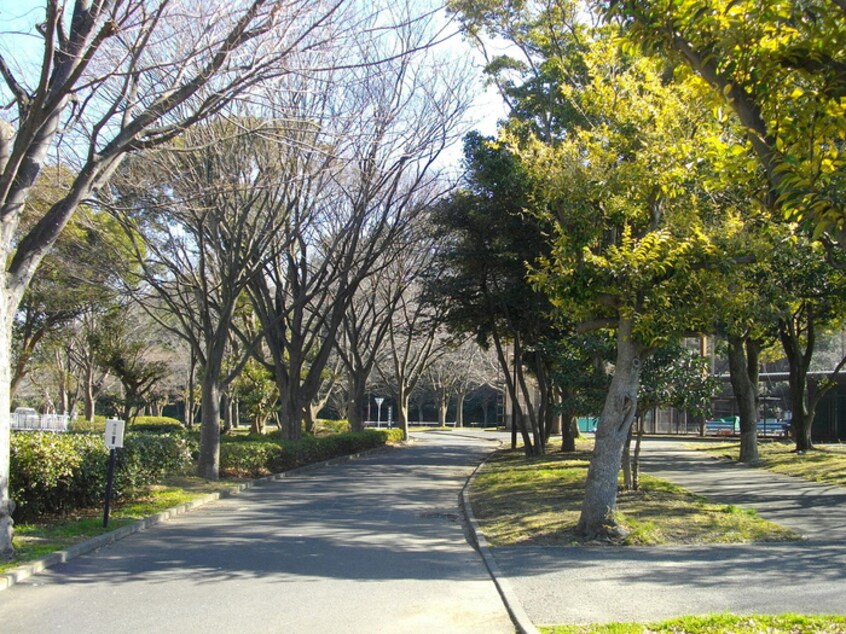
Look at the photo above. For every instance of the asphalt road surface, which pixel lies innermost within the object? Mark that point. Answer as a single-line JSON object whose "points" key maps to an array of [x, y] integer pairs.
{"points": [[372, 545]]}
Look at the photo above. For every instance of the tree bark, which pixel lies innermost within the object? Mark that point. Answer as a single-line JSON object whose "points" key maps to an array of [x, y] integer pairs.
{"points": [[209, 464], [459, 409], [597, 515], [743, 370], [568, 438], [7, 505], [356, 402]]}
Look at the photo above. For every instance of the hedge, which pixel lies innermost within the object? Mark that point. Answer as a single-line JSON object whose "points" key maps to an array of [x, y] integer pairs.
{"points": [[59, 473], [250, 457]]}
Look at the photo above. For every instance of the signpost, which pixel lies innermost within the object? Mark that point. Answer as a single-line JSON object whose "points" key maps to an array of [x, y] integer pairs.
{"points": [[114, 440], [379, 401]]}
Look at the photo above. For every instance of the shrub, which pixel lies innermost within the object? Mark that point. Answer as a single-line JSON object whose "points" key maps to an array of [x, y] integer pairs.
{"points": [[247, 456], [58, 473], [323, 427], [55, 473], [247, 459], [156, 424], [81, 425]]}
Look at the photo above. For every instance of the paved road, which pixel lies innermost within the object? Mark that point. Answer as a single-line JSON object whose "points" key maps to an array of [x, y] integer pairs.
{"points": [[598, 585], [374, 545]]}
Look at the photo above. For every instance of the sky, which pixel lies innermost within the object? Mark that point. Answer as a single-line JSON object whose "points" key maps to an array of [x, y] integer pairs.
{"points": [[19, 16]]}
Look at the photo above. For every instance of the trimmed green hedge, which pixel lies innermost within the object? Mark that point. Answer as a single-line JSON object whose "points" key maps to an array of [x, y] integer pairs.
{"points": [[58, 473], [249, 457], [156, 424]]}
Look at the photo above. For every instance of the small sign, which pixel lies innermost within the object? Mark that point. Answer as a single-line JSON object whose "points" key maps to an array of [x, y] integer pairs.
{"points": [[114, 433]]}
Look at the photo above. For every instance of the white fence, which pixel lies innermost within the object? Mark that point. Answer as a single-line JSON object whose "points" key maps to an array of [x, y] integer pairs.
{"points": [[32, 421]]}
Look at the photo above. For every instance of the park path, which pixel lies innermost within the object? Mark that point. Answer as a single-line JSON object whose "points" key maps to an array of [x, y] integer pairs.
{"points": [[558, 585], [372, 545]]}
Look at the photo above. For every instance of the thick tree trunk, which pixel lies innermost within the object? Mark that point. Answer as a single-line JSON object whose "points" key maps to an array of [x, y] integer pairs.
{"points": [[7, 506], [568, 437], [743, 370], [799, 361], [357, 403], [597, 516], [209, 465]]}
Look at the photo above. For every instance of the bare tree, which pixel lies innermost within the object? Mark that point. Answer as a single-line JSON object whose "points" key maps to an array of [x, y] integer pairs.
{"points": [[415, 341], [210, 210], [395, 113], [117, 76]]}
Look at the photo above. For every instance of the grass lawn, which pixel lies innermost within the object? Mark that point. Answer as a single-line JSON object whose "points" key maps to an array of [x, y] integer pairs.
{"points": [[826, 463], [717, 624], [33, 541], [538, 501]]}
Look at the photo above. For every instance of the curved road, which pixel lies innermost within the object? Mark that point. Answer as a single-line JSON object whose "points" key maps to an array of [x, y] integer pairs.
{"points": [[372, 545]]}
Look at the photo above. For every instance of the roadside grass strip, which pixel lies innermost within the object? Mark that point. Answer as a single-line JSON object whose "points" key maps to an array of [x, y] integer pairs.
{"points": [[716, 624], [537, 501], [825, 464]]}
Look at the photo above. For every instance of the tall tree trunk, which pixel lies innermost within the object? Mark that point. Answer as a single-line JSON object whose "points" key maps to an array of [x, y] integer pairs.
{"points": [[209, 464], [227, 413], [402, 408], [89, 397], [190, 403], [743, 369], [568, 437], [443, 407], [799, 361], [459, 409], [357, 403], [597, 516], [7, 506]]}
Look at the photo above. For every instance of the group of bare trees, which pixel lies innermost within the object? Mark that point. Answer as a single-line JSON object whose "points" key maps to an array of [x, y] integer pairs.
{"points": [[268, 162]]}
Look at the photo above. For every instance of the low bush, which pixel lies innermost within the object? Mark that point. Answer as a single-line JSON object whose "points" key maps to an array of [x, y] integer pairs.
{"points": [[248, 459], [249, 456], [156, 425], [58, 473], [323, 427], [82, 425]]}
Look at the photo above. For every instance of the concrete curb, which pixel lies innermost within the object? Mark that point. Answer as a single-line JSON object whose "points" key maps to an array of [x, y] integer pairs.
{"points": [[24, 571], [503, 585]]}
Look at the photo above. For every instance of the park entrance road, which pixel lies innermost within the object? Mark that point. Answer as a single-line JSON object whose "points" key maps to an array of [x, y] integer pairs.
{"points": [[372, 545]]}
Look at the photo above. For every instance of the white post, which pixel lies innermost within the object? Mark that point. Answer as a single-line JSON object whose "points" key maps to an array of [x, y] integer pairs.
{"points": [[379, 401]]}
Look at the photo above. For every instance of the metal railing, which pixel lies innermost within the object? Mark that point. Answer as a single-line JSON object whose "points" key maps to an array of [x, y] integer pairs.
{"points": [[31, 421]]}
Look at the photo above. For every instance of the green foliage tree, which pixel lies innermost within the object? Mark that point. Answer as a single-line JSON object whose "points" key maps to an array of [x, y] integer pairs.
{"points": [[806, 286], [780, 67], [486, 241]]}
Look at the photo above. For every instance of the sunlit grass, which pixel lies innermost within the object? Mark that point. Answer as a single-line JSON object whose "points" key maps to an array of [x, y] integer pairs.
{"points": [[825, 464], [538, 501], [716, 624]]}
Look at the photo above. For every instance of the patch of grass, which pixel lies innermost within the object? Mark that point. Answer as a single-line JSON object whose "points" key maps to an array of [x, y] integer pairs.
{"points": [[716, 624], [538, 501], [825, 464], [36, 540]]}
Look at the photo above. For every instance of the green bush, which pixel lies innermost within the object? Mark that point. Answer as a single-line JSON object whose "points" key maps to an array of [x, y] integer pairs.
{"points": [[81, 425], [251, 456], [323, 427], [58, 473], [156, 424], [247, 459]]}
